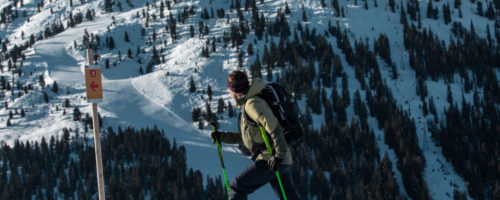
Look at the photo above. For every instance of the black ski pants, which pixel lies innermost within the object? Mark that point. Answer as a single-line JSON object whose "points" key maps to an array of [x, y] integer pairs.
{"points": [[257, 175]]}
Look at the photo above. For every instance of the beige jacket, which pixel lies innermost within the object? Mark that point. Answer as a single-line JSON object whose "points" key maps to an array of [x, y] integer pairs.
{"points": [[258, 110]]}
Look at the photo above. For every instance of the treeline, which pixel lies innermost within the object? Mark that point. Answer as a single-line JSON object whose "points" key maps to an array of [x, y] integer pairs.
{"points": [[154, 32], [16, 51], [296, 53], [468, 134], [137, 163], [466, 52], [345, 164], [470, 139], [12, 57], [429, 57], [399, 128]]}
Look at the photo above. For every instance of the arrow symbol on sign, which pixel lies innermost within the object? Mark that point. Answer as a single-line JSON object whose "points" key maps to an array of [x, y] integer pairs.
{"points": [[93, 86]]}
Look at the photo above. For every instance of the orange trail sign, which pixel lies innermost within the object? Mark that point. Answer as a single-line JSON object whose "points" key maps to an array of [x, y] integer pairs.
{"points": [[93, 82]]}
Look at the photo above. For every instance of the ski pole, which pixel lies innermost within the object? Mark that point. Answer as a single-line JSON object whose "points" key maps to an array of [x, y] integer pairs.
{"points": [[221, 161], [263, 131]]}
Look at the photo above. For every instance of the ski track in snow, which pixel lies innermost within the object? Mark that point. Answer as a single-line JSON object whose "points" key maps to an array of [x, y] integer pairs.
{"points": [[125, 105]]}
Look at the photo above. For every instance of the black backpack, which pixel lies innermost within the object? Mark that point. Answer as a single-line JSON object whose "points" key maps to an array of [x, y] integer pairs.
{"points": [[285, 109]]}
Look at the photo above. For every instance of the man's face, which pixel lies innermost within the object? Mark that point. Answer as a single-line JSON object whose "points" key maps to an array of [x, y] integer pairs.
{"points": [[235, 96]]}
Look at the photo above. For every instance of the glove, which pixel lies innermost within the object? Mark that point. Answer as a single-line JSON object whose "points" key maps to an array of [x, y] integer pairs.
{"points": [[273, 163], [215, 136]]}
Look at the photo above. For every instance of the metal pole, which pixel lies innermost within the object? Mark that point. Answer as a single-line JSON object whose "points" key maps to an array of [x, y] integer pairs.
{"points": [[266, 140], [222, 162], [97, 139]]}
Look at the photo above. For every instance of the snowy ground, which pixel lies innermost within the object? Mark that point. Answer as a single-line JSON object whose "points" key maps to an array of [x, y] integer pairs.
{"points": [[145, 101], [163, 100]]}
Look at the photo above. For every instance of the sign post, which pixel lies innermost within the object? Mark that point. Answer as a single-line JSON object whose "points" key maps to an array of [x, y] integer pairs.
{"points": [[94, 92], [93, 82]]}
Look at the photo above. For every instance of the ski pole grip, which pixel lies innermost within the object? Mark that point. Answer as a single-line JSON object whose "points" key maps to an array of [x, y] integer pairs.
{"points": [[221, 159], [266, 140], [219, 148]]}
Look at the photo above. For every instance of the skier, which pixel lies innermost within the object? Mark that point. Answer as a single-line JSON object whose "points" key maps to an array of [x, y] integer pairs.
{"points": [[263, 169]]}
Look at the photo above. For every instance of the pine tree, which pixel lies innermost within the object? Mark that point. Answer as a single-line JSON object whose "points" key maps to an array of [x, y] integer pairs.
{"points": [[209, 92], [89, 15], [137, 51], [200, 124], [141, 72], [446, 13], [425, 110], [66, 104], [195, 114], [345, 90], [337, 65], [314, 101], [458, 195], [392, 4], [106, 63], [192, 86], [304, 16], [457, 3], [149, 66], [419, 20], [250, 49], [155, 57], [358, 103], [126, 39], [204, 14], [129, 53], [287, 9], [45, 97], [266, 57], [55, 88], [8, 123], [23, 113], [220, 106], [449, 95], [111, 43], [191, 30], [172, 27], [256, 68], [430, 9], [108, 5], [230, 111], [479, 5], [77, 115], [209, 116], [213, 45], [41, 81], [490, 12], [3, 82]]}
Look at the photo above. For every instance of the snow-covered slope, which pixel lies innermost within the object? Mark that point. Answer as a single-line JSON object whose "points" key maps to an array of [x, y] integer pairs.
{"points": [[129, 100], [162, 98]]}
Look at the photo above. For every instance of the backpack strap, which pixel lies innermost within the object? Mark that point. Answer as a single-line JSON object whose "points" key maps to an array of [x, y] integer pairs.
{"points": [[248, 118], [261, 148]]}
